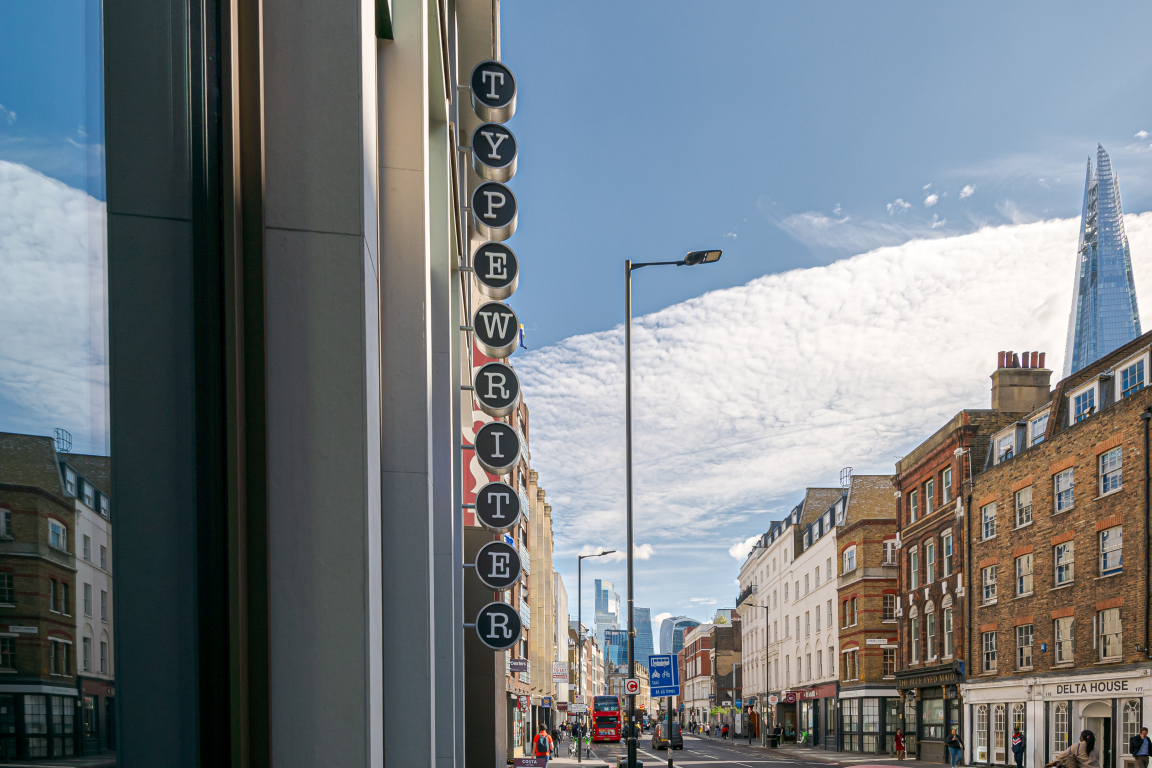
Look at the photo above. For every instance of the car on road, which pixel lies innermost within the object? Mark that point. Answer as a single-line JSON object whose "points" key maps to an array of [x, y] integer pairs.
{"points": [[660, 738]]}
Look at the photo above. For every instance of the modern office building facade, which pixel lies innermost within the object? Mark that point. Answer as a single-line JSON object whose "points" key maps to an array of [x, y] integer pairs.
{"points": [[1104, 311], [642, 618], [615, 649], [607, 609], [672, 633]]}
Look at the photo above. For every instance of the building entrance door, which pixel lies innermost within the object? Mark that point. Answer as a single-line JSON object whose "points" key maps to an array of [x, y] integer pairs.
{"points": [[1102, 727]]}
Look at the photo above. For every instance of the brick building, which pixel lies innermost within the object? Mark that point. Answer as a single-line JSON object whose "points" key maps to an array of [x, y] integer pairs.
{"points": [[865, 529], [696, 684], [725, 660], [933, 481], [42, 710], [1060, 583]]}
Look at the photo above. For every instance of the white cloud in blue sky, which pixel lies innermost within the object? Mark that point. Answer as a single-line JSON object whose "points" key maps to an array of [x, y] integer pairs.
{"points": [[746, 395]]}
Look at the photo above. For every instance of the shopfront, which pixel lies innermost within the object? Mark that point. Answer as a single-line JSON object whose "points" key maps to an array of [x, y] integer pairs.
{"points": [[931, 708], [869, 717], [816, 715], [1052, 711]]}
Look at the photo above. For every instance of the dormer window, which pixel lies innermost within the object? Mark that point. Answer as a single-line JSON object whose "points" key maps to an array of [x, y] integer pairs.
{"points": [[1084, 403], [1132, 378], [69, 481], [1005, 447], [89, 495], [105, 505], [1037, 427]]}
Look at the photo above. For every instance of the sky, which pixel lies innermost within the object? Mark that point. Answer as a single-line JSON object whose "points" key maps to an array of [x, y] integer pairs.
{"points": [[883, 179]]}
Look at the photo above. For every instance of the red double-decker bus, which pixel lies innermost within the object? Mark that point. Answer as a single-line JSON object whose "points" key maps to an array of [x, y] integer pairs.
{"points": [[605, 718]]}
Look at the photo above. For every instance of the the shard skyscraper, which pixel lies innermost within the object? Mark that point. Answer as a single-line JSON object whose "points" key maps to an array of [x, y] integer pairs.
{"points": [[1104, 313]]}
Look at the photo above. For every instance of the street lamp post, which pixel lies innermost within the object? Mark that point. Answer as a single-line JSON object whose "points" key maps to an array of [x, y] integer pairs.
{"points": [[690, 260], [580, 630]]}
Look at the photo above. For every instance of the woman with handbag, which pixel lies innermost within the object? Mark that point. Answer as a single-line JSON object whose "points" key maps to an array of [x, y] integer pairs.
{"points": [[955, 748], [1081, 755]]}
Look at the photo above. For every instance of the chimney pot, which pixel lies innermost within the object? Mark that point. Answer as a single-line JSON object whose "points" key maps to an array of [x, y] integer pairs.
{"points": [[1024, 360], [1041, 359], [1035, 361], [999, 359]]}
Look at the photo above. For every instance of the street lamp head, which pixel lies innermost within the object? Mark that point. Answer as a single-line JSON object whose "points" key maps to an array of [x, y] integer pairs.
{"points": [[701, 257], [607, 552]]}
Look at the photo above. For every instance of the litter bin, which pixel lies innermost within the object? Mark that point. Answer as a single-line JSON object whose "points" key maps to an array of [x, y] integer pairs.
{"points": [[773, 741], [622, 762]]}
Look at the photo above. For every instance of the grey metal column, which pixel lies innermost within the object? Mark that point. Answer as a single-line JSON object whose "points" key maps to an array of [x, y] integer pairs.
{"points": [[323, 362], [410, 706]]}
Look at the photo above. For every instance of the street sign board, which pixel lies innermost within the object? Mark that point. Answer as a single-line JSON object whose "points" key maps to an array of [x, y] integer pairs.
{"points": [[529, 762], [497, 506], [525, 702], [493, 152], [496, 329], [632, 685], [578, 699], [561, 706], [493, 91], [497, 447], [546, 702], [664, 675], [498, 565], [498, 625], [578, 709], [518, 665], [497, 270], [559, 671], [497, 389], [790, 697], [494, 213], [773, 699]]}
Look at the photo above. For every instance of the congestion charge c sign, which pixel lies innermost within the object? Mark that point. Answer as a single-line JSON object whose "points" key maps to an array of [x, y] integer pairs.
{"points": [[498, 626], [496, 269], [497, 506]]}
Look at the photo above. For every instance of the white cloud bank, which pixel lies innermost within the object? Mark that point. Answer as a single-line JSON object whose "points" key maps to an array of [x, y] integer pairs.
{"points": [[744, 396], [52, 347]]}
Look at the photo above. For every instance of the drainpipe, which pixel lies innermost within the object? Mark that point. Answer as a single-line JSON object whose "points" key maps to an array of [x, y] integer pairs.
{"points": [[1146, 417]]}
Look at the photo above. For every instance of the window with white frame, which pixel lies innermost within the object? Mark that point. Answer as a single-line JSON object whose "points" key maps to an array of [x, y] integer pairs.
{"points": [[914, 567], [817, 574], [988, 581], [930, 627], [806, 584], [855, 612], [988, 651], [57, 536], [929, 496], [946, 552], [946, 486], [1132, 378], [1108, 622], [1005, 447], [1024, 647], [7, 653], [1084, 403], [988, 520], [828, 570], [807, 623], [1111, 550], [69, 481], [103, 605], [785, 591], [60, 657], [819, 663], [7, 589], [1023, 506], [889, 607], [1064, 487], [1063, 555], [949, 638], [889, 662], [1037, 427], [912, 506], [849, 559], [104, 505], [1024, 575], [829, 613], [87, 655], [1062, 631], [89, 495], [1111, 467], [914, 636], [5, 521], [87, 547], [890, 552], [929, 562]]}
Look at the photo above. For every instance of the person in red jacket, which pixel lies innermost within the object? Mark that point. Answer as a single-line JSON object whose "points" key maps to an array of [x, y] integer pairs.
{"points": [[899, 744], [542, 745]]}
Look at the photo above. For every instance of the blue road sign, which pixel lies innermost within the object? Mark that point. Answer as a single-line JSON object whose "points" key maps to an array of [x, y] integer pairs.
{"points": [[663, 675]]}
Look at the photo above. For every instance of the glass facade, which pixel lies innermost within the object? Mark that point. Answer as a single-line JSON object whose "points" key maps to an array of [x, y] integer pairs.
{"points": [[644, 647], [1104, 312]]}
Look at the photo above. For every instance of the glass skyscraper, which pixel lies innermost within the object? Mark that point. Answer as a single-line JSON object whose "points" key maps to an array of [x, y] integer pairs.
{"points": [[1104, 312], [672, 633], [644, 647], [615, 649], [607, 609]]}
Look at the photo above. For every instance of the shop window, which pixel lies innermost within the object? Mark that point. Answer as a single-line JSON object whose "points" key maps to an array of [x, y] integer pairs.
{"points": [[1023, 506], [1024, 647], [851, 719], [988, 520], [988, 582], [982, 733], [1063, 632], [63, 726], [35, 723], [946, 486], [1111, 470], [1018, 717], [1131, 720], [932, 723], [1064, 487], [1111, 551], [999, 735], [988, 654], [1109, 630], [910, 725], [870, 724], [1061, 726], [1024, 575]]}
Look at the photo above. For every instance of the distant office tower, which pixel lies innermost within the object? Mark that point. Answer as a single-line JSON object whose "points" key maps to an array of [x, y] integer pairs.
{"points": [[607, 609], [643, 619], [672, 633], [615, 649], [1104, 313]]}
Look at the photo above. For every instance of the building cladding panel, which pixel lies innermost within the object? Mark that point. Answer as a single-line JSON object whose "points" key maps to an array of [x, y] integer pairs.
{"points": [[644, 647], [1104, 314]]}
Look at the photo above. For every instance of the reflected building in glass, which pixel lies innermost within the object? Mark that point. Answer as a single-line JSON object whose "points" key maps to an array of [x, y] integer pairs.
{"points": [[644, 647], [1104, 312], [607, 609]]}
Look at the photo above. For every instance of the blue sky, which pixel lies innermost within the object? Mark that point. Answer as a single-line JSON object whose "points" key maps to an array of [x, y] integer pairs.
{"points": [[793, 136]]}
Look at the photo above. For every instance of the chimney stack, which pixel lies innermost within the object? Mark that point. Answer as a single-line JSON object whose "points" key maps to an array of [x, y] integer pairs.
{"points": [[1020, 385]]}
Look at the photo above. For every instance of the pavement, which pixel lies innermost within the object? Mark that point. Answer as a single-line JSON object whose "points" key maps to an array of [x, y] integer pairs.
{"points": [[699, 750]]}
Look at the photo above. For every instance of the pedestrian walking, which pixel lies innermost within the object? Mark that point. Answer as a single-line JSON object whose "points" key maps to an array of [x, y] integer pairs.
{"points": [[1018, 747], [1140, 746], [542, 745], [956, 748], [1080, 755], [724, 731], [898, 742]]}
